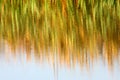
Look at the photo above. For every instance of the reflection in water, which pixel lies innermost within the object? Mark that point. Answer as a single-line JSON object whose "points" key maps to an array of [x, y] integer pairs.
{"points": [[85, 54], [96, 57], [62, 33]]}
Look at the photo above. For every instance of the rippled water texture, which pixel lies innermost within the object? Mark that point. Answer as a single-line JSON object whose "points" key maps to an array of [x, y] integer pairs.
{"points": [[59, 39]]}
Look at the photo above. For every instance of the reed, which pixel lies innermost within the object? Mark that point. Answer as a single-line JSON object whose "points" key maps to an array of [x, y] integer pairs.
{"points": [[59, 24]]}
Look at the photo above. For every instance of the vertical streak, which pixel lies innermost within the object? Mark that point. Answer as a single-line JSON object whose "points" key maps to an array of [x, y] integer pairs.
{"points": [[55, 66]]}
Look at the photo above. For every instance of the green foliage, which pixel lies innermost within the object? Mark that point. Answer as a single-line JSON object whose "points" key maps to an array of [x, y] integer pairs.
{"points": [[59, 23]]}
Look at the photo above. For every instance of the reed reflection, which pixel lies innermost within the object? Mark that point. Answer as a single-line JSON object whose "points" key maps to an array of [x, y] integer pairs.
{"points": [[87, 53], [62, 31]]}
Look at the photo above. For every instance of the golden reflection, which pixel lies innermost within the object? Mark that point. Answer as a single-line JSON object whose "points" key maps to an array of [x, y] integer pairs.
{"points": [[71, 32], [68, 55]]}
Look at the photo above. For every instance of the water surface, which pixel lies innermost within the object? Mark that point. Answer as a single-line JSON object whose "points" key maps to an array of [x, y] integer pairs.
{"points": [[20, 66], [60, 39]]}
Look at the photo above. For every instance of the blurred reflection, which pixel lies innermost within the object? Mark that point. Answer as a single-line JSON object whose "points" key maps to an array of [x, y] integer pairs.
{"points": [[63, 34], [87, 53]]}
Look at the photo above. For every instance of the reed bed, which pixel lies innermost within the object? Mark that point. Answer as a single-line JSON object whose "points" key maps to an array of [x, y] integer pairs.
{"points": [[64, 26]]}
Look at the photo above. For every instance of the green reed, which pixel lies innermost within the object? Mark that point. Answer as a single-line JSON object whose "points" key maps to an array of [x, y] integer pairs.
{"points": [[59, 23], [77, 30]]}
